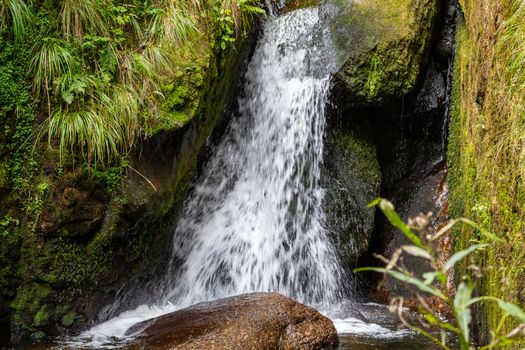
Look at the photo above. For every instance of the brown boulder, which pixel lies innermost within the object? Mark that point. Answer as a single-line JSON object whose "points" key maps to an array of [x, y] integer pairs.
{"points": [[252, 321]]}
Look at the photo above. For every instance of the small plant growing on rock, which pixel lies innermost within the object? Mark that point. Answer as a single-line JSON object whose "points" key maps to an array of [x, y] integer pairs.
{"points": [[445, 331]]}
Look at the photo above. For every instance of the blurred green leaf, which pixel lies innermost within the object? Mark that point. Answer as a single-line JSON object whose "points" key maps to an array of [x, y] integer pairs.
{"points": [[406, 278], [462, 309], [419, 252], [512, 310], [389, 211], [454, 259]]}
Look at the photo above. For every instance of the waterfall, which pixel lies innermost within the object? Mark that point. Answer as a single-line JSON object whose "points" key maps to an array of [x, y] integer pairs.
{"points": [[254, 220]]}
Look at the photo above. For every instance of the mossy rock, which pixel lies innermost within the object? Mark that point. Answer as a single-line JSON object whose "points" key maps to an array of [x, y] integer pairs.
{"points": [[385, 42], [352, 179], [293, 5], [185, 92]]}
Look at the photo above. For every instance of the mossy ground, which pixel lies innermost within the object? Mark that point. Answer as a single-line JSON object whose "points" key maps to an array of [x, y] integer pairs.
{"points": [[486, 148]]}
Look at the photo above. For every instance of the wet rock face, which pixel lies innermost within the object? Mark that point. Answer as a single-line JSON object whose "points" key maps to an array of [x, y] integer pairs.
{"points": [[428, 194], [412, 153], [252, 321], [412, 157], [386, 42], [77, 211], [383, 44], [352, 179]]}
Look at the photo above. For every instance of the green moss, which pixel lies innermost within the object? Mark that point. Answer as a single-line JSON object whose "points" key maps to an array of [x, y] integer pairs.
{"points": [[41, 316], [351, 177], [177, 98], [17, 116], [185, 92], [9, 254], [30, 306], [366, 165], [109, 177], [50, 278], [68, 319], [485, 177], [388, 41]]}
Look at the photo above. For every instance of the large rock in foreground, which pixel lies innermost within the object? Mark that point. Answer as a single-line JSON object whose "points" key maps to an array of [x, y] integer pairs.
{"points": [[252, 321]]}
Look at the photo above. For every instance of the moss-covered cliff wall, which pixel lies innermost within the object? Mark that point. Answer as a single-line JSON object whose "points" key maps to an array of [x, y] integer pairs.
{"points": [[73, 233], [486, 149]]}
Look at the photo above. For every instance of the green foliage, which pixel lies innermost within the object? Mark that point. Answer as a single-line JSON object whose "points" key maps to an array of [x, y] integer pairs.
{"points": [[100, 74], [68, 319], [110, 177], [5, 225], [16, 113], [52, 59], [251, 7], [4, 176], [79, 16], [170, 24], [16, 125], [30, 300], [460, 302], [226, 24], [9, 254], [41, 316], [98, 133], [234, 17], [242, 12], [17, 14], [392, 216], [98, 66]]}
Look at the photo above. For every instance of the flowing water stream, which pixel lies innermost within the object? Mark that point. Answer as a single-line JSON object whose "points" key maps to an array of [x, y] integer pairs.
{"points": [[254, 220]]}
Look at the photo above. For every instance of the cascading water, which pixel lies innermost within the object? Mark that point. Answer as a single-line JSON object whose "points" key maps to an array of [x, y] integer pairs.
{"points": [[254, 221]]}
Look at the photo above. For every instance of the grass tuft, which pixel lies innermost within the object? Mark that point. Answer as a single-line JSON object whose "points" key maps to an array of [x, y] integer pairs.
{"points": [[77, 16], [18, 14], [52, 59], [101, 69]]}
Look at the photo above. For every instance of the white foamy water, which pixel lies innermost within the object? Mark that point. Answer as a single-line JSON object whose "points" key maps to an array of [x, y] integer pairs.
{"points": [[358, 328], [254, 222], [105, 334]]}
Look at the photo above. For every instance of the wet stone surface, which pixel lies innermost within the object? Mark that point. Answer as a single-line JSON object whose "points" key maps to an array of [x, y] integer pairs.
{"points": [[252, 321]]}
